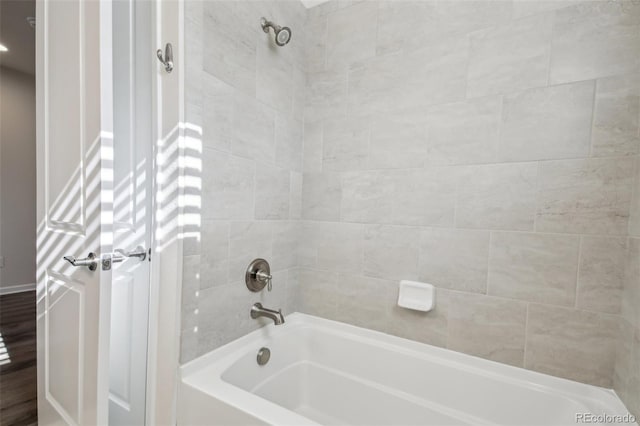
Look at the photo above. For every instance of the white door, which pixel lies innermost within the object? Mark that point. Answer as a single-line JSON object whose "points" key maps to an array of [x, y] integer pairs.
{"points": [[74, 209], [133, 68]]}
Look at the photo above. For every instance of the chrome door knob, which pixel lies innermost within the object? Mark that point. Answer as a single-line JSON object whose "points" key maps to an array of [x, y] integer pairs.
{"points": [[120, 256], [139, 252], [89, 261]]}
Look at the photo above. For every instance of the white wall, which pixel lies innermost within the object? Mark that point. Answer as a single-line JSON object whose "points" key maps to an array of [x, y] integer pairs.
{"points": [[17, 178]]}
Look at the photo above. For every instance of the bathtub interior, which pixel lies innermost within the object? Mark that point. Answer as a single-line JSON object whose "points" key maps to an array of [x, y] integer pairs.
{"points": [[334, 377]]}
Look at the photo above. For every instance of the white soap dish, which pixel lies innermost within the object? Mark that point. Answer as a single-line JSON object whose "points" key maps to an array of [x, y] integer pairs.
{"points": [[417, 296]]}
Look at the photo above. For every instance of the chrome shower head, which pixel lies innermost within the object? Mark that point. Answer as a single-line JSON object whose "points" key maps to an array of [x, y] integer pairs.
{"points": [[282, 34]]}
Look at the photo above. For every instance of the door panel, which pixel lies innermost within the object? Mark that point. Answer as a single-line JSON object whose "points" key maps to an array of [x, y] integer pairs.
{"points": [[74, 209], [63, 344], [122, 319], [132, 55], [64, 52]]}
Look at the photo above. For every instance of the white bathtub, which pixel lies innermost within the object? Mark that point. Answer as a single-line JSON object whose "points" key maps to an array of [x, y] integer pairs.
{"points": [[326, 372]]}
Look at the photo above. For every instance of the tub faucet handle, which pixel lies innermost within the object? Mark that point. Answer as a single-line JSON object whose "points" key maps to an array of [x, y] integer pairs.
{"points": [[265, 277]]}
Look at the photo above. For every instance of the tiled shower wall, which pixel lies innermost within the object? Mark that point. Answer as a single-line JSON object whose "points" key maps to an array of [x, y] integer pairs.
{"points": [[627, 367], [243, 165], [488, 148]]}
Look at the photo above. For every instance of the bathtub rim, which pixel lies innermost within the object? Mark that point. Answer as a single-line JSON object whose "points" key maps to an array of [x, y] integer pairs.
{"points": [[219, 360]]}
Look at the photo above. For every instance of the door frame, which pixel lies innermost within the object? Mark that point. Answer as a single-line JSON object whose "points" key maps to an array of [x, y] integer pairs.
{"points": [[163, 349]]}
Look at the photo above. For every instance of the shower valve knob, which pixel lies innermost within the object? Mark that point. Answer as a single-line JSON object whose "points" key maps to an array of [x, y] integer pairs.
{"points": [[258, 275], [265, 277]]}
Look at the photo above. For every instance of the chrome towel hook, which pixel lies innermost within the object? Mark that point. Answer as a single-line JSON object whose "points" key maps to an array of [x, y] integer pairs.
{"points": [[167, 60]]}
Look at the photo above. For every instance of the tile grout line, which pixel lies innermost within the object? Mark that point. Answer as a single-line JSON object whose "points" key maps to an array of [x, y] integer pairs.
{"points": [[526, 335], [553, 15], [577, 285], [593, 116], [489, 252], [536, 208], [513, 231], [476, 294]]}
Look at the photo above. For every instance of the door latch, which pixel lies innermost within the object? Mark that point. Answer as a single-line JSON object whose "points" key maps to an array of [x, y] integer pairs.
{"points": [[121, 255]]}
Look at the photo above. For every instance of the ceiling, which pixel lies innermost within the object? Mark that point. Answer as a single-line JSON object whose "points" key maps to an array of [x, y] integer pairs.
{"points": [[310, 3], [17, 35]]}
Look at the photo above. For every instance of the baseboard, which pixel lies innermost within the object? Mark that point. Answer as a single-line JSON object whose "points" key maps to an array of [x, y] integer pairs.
{"points": [[17, 288]]}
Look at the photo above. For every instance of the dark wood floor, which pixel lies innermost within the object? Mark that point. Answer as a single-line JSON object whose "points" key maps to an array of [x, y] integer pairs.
{"points": [[18, 381]]}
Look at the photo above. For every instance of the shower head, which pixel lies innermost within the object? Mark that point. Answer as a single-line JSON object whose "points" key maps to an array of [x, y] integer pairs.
{"points": [[282, 34]]}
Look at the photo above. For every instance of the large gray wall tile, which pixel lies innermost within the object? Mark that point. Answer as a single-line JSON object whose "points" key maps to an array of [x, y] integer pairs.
{"points": [[344, 45], [214, 260], [333, 246], [510, 57], [345, 144], [434, 74], [531, 7], [585, 196], [312, 155], [499, 196], [227, 186], [456, 259], [534, 267], [230, 45], [577, 345], [425, 196], [601, 274], [321, 195], [631, 292], [427, 327], [408, 25], [325, 95], [272, 193], [289, 138], [367, 196], [398, 141], [595, 39], [616, 116], [488, 327], [464, 132], [547, 123], [274, 74], [315, 43], [391, 252], [634, 210]]}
